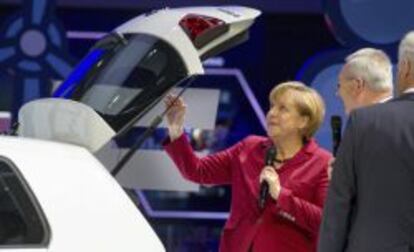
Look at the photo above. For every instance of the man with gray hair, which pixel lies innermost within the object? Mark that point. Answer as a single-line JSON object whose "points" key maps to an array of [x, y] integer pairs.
{"points": [[405, 74], [370, 203], [365, 79]]}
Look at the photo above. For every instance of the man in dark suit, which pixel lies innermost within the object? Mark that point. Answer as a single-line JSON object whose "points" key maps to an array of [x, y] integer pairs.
{"points": [[370, 204]]}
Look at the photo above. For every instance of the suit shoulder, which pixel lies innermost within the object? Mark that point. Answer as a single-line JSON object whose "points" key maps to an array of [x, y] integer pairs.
{"points": [[382, 108]]}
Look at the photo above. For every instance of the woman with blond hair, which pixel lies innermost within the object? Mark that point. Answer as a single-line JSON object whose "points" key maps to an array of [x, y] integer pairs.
{"points": [[297, 179]]}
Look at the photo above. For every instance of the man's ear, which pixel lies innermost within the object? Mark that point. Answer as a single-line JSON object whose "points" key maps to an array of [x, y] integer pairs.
{"points": [[358, 86], [409, 68], [405, 68]]}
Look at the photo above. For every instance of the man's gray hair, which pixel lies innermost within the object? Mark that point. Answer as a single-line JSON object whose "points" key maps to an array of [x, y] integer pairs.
{"points": [[406, 49], [373, 66]]}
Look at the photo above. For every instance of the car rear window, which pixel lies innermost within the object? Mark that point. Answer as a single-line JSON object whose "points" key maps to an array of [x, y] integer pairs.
{"points": [[22, 222]]}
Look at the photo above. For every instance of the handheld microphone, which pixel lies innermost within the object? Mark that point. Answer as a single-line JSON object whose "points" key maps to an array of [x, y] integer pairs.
{"points": [[264, 186], [336, 126]]}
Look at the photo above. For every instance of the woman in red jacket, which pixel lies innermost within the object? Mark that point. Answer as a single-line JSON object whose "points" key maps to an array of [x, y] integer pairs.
{"points": [[297, 180]]}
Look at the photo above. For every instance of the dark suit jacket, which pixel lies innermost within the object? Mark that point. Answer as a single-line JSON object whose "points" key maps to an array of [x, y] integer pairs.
{"points": [[370, 203], [289, 225]]}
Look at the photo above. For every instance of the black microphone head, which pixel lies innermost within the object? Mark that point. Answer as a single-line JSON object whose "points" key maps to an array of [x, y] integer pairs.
{"points": [[336, 121], [270, 156], [336, 125]]}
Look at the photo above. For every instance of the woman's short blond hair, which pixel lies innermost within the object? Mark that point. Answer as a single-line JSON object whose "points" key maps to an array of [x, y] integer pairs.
{"points": [[307, 101]]}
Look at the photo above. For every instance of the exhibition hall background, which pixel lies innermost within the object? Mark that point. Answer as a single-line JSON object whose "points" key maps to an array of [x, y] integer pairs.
{"points": [[296, 39]]}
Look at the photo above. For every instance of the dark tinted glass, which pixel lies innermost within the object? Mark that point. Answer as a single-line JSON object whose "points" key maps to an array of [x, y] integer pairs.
{"points": [[129, 75], [21, 222]]}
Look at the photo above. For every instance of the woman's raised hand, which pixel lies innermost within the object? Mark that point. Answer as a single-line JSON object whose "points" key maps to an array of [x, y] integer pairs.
{"points": [[175, 115]]}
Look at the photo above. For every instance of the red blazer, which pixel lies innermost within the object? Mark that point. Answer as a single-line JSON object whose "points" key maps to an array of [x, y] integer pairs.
{"points": [[288, 225]]}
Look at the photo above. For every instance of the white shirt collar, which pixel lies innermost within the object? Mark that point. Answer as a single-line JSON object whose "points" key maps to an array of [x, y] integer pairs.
{"points": [[384, 100], [409, 90]]}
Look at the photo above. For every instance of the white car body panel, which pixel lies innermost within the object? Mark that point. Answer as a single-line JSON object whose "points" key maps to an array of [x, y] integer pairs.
{"points": [[85, 207], [64, 121], [165, 25], [23, 249]]}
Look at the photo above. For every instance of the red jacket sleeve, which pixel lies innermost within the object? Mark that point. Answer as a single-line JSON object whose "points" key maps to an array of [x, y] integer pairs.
{"points": [[212, 169], [306, 214]]}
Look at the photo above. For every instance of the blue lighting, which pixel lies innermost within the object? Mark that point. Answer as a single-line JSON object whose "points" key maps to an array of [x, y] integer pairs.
{"points": [[31, 88], [6, 53], [14, 28], [58, 64], [34, 45], [54, 34], [38, 11], [29, 65], [68, 86]]}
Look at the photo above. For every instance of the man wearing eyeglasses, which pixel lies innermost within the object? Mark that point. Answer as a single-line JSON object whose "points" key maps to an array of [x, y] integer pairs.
{"points": [[365, 79]]}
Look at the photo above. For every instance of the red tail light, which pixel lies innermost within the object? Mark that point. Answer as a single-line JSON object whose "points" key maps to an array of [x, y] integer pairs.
{"points": [[202, 29]]}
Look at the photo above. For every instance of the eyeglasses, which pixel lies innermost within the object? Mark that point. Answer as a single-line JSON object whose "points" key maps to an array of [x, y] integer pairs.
{"points": [[338, 85]]}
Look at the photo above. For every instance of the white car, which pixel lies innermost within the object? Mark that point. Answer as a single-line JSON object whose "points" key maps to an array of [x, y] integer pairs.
{"points": [[55, 195]]}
